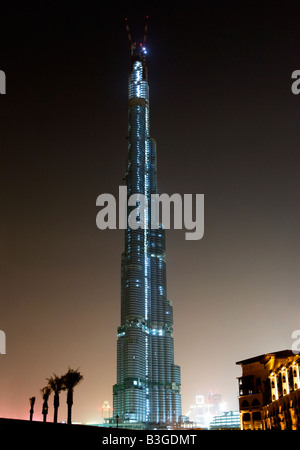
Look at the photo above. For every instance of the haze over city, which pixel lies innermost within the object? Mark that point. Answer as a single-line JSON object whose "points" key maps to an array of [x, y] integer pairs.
{"points": [[226, 125]]}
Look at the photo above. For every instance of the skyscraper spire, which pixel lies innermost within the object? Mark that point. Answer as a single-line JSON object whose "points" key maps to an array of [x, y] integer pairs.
{"points": [[148, 382]]}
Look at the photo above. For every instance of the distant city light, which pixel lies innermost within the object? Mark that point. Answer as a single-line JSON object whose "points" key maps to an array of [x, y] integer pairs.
{"points": [[204, 409]]}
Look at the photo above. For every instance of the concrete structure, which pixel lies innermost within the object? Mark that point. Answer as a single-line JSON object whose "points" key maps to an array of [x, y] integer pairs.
{"points": [[269, 394], [148, 382]]}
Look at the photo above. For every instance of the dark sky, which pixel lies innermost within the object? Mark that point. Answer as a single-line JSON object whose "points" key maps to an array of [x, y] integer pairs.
{"points": [[226, 125]]}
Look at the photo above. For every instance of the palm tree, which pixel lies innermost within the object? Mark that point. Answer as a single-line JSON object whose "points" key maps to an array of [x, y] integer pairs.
{"points": [[56, 385], [32, 402], [46, 391], [70, 380]]}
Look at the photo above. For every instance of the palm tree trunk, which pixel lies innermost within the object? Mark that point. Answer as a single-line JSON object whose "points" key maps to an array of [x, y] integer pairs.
{"points": [[32, 402], [70, 403], [55, 415], [45, 411], [56, 405]]}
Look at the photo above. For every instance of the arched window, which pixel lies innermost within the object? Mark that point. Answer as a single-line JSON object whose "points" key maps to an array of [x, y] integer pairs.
{"points": [[255, 402], [245, 404]]}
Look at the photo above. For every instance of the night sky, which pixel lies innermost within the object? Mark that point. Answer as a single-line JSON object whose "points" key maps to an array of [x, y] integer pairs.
{"points": [[226, 125]]}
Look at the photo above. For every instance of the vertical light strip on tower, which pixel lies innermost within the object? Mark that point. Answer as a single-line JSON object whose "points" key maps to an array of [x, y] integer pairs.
{"points": [[148, 383]]}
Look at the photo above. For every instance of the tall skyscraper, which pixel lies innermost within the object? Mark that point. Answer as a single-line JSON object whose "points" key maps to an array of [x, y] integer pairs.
{"points": [[148, 382]]}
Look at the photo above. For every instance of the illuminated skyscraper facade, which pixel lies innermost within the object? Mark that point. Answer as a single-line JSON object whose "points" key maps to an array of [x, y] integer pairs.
{"points": [[148, 382]]}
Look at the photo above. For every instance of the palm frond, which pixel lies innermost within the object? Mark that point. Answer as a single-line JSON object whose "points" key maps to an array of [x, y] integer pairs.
{"points": [[45, 391], [71, 378], [55, 383]]}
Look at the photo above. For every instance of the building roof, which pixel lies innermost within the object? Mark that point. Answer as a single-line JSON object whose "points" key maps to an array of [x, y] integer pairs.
{"points": [[263, 357]]}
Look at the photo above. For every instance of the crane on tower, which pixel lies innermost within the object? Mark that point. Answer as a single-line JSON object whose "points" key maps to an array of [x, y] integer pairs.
{"points": [[132, 43]]}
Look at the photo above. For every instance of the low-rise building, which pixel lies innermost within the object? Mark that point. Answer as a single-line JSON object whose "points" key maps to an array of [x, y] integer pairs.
{"points": [[269, 394], [228, 420]]}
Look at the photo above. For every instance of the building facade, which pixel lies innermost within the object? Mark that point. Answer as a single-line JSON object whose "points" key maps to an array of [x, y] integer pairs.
{"points": [[269, 394], [228, 420], [148, 382]]}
